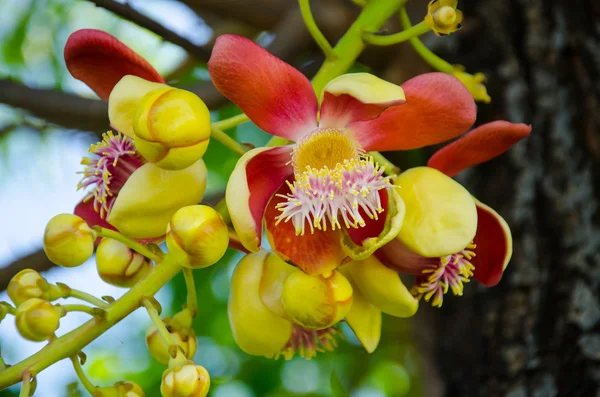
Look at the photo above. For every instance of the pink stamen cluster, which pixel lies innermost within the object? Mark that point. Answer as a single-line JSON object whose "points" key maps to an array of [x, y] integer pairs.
{"points": [[321, 196], [115, 160], [307, 343], [448, 273]]}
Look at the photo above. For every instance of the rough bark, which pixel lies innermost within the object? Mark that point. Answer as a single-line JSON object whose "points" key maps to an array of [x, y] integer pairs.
{"points": [[538, 332]]}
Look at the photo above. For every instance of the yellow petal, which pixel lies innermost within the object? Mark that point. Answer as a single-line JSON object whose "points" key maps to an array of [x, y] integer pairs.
{"points": [[152, 195], [365, 87], [364, 317], [382, 286], [440, 218], [123, 100], [256, 329], [275, 271], [171, 158]]}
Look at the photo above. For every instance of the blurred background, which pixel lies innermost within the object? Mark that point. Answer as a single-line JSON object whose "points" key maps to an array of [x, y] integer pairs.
{"points": [[536, 334]]}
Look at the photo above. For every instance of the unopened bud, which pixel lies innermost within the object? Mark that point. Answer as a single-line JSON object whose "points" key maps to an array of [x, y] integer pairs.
{"points": [[197, 236], [184, 338], [316, 302], [119, 265], [172, 128], [474, 83], [37, 319], [186, 380], [30, 284], [443, 17], [120, 389], [68, 240]]}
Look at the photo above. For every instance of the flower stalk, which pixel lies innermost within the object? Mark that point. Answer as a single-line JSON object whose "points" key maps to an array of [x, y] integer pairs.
{"points": [[314, 30], [83, 296], [226, 140], [134, 245], [26, 387], [396, 38], [190, 284], [81, 375]]}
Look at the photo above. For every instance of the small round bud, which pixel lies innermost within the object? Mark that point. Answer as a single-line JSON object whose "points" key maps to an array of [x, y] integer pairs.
{"points": [[68, 240], [184, 338], [316, 302], [29, 284], [186, 380], [197, 236], [172, 128], [443, 17], [119, 265], [120, 389], [37, 319]]}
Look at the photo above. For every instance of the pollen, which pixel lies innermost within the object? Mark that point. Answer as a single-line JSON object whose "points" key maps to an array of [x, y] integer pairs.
{"points": [[308, 343], [330, 197], [114, 160], [324, 148], [449, 273]]}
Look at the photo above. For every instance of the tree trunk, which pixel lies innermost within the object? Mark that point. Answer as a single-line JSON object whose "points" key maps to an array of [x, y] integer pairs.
{"points": [[538, 332]]}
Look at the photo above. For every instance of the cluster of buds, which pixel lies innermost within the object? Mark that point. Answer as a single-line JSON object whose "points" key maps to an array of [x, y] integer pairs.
{"points": [[182, 335]]}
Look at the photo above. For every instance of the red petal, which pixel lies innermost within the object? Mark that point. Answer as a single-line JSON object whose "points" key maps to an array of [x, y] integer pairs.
{"points": [[277, 97], [373, 227], [85, 210], [397, 256], [438, 107], [316, 253], [478, 146], [337, 111], [494, 246], [100, 61]]}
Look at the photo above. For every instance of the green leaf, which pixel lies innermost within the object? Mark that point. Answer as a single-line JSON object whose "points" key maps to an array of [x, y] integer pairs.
{"points": [[337, 389]]}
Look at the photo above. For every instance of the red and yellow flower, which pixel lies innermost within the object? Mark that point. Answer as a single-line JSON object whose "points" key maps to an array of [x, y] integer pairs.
{"points": [[321, 195], [152, 167]]}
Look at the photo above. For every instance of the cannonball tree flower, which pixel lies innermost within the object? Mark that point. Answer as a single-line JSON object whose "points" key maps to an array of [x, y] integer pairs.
{"points": [[484, 256], [314, 193], [139, 176]]}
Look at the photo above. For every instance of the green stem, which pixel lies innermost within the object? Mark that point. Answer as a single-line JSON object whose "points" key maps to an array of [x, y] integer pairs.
{"points": [[231, 122], [81, 376], [92, 311], [399, 37], [435, 61], [226, 140], [390, 168], [134, 245], [314, 30], [84, 296], [158, 322], [221, 208], [26, 387], [74, 341], [190, 284]]}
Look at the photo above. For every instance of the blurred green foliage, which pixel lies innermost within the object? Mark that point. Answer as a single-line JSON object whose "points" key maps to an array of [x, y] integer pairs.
{"points": [[32, 35]]}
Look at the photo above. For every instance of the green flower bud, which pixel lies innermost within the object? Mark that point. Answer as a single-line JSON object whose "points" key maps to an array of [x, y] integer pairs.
{"points": [[182, 337], [186, 380], [197, 236], [37, 319], [119, 265], [68, 240], [30, 284]]}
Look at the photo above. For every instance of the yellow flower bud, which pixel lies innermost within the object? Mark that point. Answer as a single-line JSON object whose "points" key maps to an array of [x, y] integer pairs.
{"points": [[172, 128], [30, 284], [474, 84], [186, 380], [441, 217], [184, 338], [197, 236], [68, 240], [316, 302], [37, 319], [443, 17], [120, 389], [119, 265]]}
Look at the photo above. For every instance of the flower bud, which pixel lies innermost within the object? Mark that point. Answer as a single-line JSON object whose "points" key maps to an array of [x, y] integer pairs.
{"points": [[30, 284], [184, 338], [443, 17], [316, 302], [120, 389], [68, 240], [197, 236], [119, 265], [474, 83], [172, 128], [37, 319], [187, 380]]}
